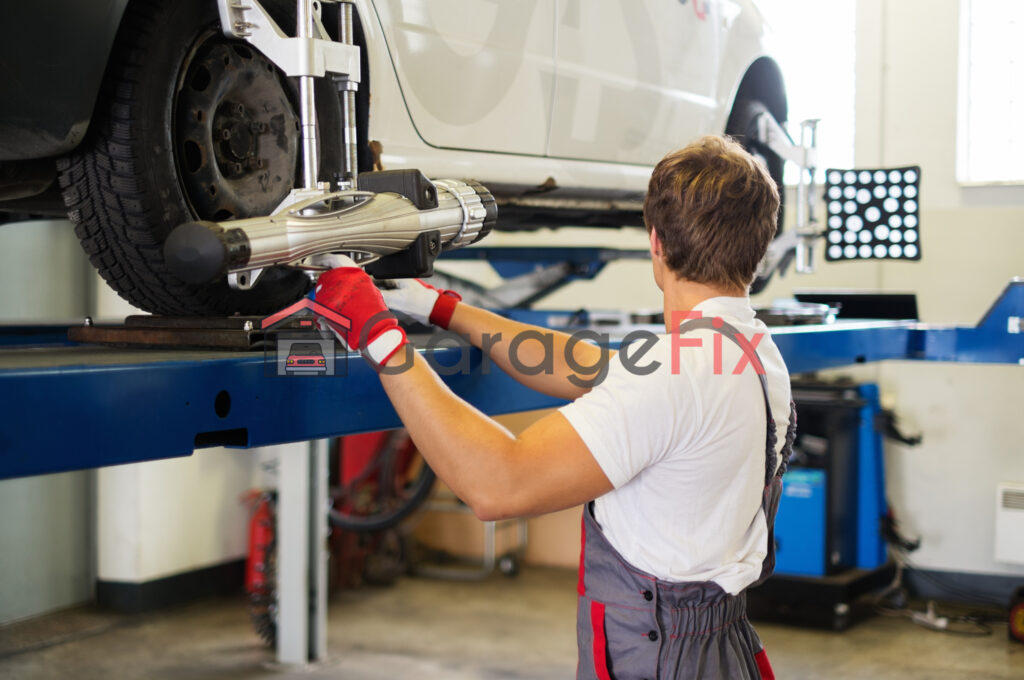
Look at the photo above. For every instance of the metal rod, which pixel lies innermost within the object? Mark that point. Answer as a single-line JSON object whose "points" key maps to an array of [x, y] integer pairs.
{"points": [[350, 157], [811, 127], [349, 132], [345, 32], [801, 199], [806, 199], [307, 103]]}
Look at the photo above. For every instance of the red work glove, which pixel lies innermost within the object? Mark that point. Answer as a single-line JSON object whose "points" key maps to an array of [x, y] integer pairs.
{"points": [[422, 301], [373, 330]]}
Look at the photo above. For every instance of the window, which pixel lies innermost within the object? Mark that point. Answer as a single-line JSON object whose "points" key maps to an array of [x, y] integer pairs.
{"points": [[990, 147], [814, 44]]}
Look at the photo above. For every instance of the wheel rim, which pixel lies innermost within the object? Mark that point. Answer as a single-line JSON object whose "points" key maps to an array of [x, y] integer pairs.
{"points": [[235, 131]]}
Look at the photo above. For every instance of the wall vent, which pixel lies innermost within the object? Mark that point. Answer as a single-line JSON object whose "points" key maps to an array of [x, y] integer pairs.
{"points": [[1012, 499], [1009, 523]]}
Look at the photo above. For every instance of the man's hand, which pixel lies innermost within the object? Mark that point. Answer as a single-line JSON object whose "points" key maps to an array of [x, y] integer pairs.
{"points": [[421, 301], [373, 330]]}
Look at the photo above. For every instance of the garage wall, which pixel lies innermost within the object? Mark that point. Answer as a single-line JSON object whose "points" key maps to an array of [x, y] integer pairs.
{"points": [[945, 490], [972, 238], [125, 524], [46, 532], [167, 517]]}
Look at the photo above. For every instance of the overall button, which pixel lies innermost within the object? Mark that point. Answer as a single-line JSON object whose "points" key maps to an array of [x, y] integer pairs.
{"points": [[648, 595], [653, 636]]}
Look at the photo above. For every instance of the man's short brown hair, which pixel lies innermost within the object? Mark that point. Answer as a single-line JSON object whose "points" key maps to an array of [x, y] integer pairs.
{"points": [[715, 210]]}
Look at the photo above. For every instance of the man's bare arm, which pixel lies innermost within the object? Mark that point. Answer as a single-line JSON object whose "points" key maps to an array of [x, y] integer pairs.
{"points": [[544, 469], [548, 361]]}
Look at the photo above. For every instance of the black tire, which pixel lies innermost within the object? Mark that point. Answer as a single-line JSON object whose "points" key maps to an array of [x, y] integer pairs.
{"points": [[128, 185], [741, 126]]}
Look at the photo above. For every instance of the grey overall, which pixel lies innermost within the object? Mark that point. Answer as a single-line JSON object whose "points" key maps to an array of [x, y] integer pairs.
{"points": [[632, 625]]}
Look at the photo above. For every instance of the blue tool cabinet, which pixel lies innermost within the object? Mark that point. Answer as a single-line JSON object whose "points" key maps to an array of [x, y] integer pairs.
{"points": [[833, 496]]}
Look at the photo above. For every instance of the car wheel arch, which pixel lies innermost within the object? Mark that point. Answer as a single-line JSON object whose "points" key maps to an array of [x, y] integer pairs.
{"points": [[763, 81]]}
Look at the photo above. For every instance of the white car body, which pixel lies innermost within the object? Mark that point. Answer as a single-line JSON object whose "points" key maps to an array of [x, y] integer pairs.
{"points": [[576, 94], [142, 120]]}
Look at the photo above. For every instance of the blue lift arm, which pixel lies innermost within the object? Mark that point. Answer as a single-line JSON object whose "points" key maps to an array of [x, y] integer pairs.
{"points": [[64, 407]]}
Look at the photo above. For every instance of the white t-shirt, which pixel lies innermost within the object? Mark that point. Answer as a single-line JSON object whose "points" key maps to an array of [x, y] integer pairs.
{"points": [[685, 451]]}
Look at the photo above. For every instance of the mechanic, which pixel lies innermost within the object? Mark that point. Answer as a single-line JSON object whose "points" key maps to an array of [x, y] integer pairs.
{"points": [[678, 461]]}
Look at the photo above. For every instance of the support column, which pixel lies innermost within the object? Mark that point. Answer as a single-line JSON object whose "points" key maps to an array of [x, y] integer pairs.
{"points": [[302, 553]]}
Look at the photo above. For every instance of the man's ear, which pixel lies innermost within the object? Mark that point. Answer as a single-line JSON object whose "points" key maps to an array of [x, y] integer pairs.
{"points": [[655, 244]]}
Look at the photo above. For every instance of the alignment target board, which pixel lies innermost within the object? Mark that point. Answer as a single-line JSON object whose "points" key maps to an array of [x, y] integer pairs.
{"points": [[872, 214]]}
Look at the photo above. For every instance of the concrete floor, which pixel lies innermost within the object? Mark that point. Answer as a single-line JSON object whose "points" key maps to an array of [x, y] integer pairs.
{"points": [[428, 629]]}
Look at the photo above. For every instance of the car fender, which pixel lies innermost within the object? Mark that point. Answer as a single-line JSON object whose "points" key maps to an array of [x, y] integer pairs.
{"points": [[390, 123], [747, 69], [54, 55]]}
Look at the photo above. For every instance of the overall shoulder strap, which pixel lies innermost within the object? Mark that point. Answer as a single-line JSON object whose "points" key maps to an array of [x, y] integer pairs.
{"points": [[729, 331], [773, 468]]}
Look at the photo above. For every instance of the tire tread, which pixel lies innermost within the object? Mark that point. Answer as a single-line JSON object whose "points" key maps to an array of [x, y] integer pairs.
{"points": [[110, 197]]}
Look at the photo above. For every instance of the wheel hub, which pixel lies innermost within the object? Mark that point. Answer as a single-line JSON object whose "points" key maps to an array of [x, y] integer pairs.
{"points": [[235, 132]]}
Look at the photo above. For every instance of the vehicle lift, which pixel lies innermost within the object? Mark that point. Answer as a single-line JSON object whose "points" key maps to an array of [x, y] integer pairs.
{"points": [[203, 397]]}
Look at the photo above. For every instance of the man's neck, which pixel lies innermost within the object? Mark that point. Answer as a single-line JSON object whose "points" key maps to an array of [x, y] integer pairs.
{"points": [[682, 295]]}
